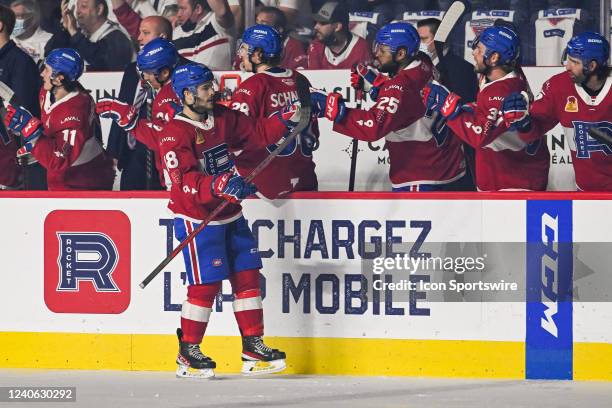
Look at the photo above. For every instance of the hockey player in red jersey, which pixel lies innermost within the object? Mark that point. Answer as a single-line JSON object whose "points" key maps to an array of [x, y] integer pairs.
{"points": [[155, 62], [195, 146], [66, 140], [261, 95], [579, 98], [503, 160], [422, 159]]}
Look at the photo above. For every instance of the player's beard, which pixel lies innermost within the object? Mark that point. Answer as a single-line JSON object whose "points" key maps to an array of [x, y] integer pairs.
{"points": [[580, 79]]}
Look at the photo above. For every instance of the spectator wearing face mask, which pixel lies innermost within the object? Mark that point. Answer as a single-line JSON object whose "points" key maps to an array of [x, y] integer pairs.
{"points": [[457, 75], [28, 34], [18, 71], [335, 47], [205, 32]]}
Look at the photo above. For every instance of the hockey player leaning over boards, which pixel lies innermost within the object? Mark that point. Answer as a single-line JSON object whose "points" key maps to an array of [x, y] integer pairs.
{"points": [[195, 147], [421, 159], [155, 63], [66, 140], [269, 90], [579, 98], [503, 160]]}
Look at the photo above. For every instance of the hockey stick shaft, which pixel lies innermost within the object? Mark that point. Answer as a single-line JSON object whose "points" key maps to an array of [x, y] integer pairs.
{"points": [[451, 18], [600, 135], [355, 147], [303, 90]]}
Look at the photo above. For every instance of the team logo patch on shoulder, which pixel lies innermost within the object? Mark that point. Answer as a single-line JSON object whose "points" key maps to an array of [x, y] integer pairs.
{"points": [[572, 104], [199, 137]]}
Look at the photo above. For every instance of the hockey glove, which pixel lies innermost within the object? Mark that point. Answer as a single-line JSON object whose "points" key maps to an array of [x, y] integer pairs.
{"points": [[123, 114], [25, 149], [367, 79], [231, 187], [515, 111], [330, 106], [290, 115], [437, 98], [20, 120]]}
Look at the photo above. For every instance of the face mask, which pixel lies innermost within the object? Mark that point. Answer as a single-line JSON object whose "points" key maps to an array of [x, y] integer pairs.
{"points": [[19, 27], [424, 48]]}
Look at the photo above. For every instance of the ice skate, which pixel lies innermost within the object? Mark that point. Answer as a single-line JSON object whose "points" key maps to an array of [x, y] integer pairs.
{"points": [[259, 359], [191, 362]]}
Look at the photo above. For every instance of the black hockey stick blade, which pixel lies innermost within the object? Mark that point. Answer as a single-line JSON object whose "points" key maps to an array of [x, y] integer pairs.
{"points": [[600, 135], [303, 91], [451, 18]]}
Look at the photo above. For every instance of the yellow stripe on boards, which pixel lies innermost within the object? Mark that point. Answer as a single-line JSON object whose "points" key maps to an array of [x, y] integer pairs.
{"points": [[434, 358], [328, 356], [593, 361]]}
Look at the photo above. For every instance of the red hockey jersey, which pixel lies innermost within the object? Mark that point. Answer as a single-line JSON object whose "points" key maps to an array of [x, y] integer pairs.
{"points": [[192, 152], [417, 155], [71, 146], [503, 160], [563, 101], [356, 51], [161, 110], [293, 169]]}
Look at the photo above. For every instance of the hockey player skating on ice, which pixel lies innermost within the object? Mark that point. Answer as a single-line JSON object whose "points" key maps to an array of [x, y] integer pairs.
{"points": [[66, 140], [503, 160], [270, 89], [195, 147], [155, 63], [421, 160], [579, 98]]}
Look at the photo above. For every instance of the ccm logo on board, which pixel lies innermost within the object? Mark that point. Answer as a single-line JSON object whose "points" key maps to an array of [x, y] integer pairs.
{"points": [[87, 261]]}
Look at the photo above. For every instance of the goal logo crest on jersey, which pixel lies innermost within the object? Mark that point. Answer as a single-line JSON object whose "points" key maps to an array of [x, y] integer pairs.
{"points": [[87, 261], [572, 104]]}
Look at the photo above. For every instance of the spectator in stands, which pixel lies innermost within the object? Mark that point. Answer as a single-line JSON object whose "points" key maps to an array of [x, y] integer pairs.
{"points": [[130, 155], [99, 41], [129, 13], [335, 47], [27, 33], [19, 72], [205, 32], [171, 14], [457, 75], [294, 54]]}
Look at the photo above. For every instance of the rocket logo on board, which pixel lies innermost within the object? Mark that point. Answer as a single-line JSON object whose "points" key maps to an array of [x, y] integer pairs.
{"points": [[87, 261]]}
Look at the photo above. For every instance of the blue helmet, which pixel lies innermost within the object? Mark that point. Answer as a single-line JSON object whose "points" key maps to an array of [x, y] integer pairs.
{"points": [[190, 76], [502, 40], [397, 35], [264, 37], [156, 55], [65, 61], [587, 47]]}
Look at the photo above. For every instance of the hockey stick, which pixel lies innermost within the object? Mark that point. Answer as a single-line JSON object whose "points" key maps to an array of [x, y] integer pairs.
{"points": [[355, 147], [600, 135], [303, 90], [451, 18]]}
